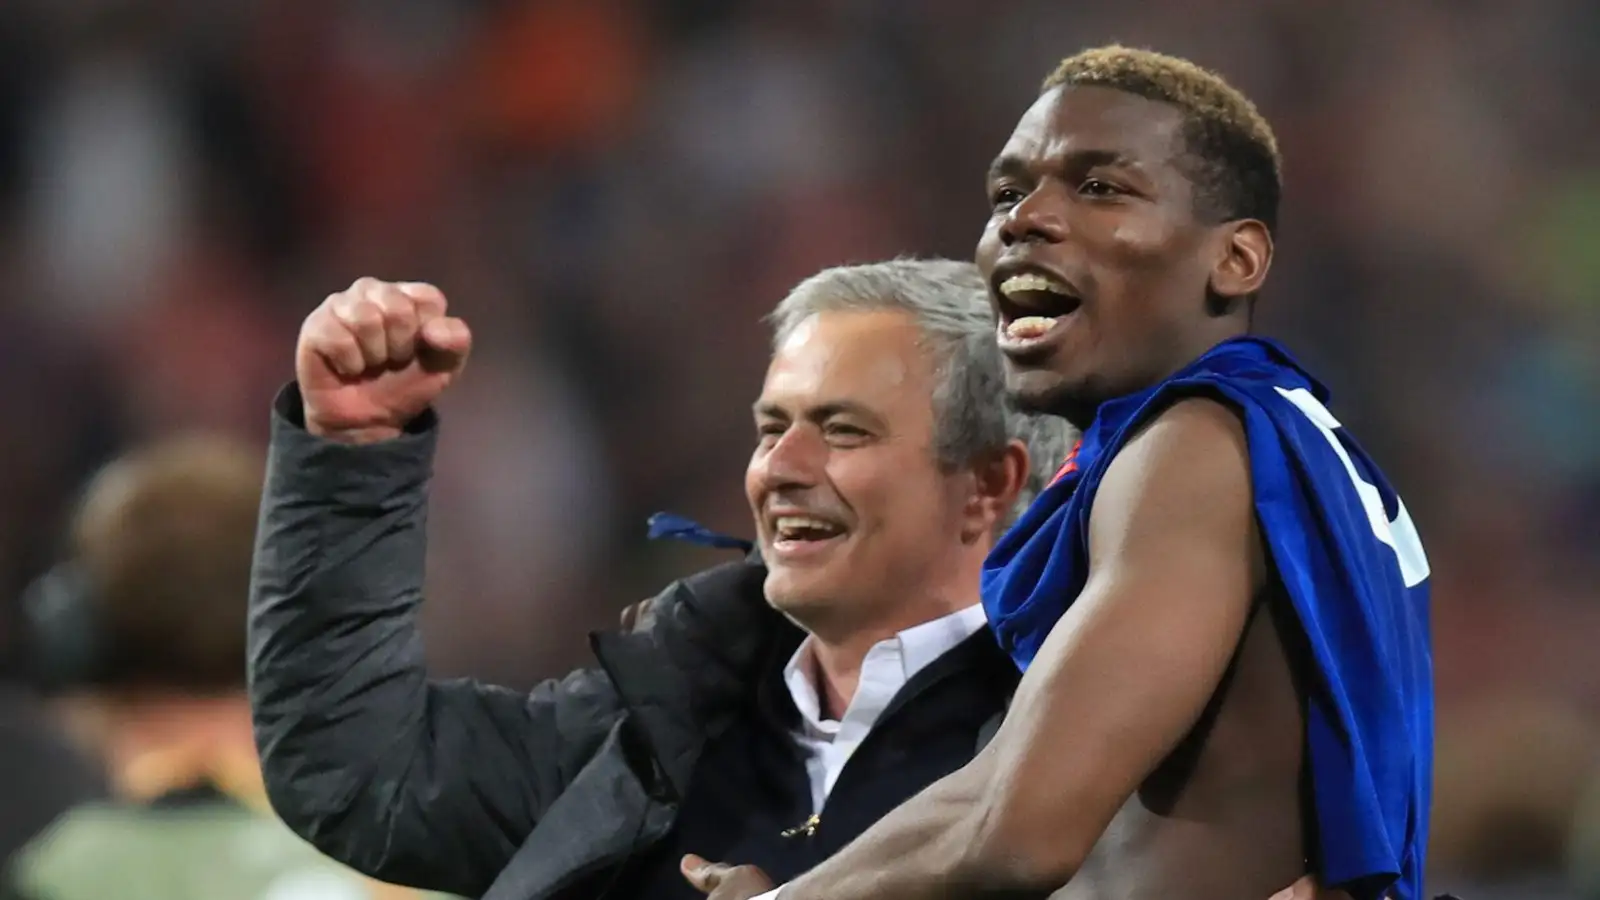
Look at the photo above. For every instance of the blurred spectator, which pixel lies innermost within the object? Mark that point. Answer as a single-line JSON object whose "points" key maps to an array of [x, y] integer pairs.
{"points": [[41, 774], [144, 630]]}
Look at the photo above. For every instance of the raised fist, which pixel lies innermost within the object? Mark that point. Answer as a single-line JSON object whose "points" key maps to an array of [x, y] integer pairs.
{"points": [[372, 358]]}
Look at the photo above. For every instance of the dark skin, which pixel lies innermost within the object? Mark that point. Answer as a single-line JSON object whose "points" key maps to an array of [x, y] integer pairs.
{"points": [[1091, 190], [1154, 748]]}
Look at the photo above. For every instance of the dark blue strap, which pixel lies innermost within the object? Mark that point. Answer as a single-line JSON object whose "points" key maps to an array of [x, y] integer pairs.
{"points": [[667, 526]]}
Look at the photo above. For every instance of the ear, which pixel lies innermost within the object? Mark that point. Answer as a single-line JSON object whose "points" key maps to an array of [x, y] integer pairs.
{"points": [[998, 479], [1243, 258]]}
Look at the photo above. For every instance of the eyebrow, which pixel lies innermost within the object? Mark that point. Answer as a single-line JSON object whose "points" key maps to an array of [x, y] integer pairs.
{"points": [[1011, 166], [822, 411], [1006, 166]]}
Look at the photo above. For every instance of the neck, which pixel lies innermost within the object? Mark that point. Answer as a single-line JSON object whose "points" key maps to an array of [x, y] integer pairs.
{"points": [[841, 634], [837, 673], [156, 743], [1222, 328], [837, 660], [1080, 412]]}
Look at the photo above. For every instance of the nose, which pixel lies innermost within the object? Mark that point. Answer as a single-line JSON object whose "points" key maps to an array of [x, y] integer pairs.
{"points": [[795, 460], [1039, 217]]}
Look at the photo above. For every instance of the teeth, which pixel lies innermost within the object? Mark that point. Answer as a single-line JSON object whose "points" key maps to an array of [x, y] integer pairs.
{"points": [[1030, 282], [798, 526], [1029, 327]]}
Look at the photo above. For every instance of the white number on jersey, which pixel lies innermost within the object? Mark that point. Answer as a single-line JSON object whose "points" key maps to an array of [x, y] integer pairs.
{"points": [[1400, 534]]}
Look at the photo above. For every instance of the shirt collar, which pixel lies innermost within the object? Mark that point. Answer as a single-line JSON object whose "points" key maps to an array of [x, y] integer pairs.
{"points": [[891, 662]]}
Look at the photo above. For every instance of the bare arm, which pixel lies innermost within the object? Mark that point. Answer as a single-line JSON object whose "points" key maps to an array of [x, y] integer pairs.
{"points": [[1175, 562]]}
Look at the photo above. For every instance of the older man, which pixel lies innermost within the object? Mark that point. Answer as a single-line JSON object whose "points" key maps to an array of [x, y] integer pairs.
{"points": [[885, 464]]}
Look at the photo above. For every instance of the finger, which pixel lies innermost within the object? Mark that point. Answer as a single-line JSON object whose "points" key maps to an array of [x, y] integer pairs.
{"points": [[1304, 889], [447, 342], [360, 286], [705, 876], [364, 319], [637, 614], [331, 341], [431, 302], [400, 323]]}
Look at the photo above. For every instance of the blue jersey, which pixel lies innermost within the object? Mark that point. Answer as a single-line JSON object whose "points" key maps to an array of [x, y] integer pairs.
{"points": [[1350, 562]]}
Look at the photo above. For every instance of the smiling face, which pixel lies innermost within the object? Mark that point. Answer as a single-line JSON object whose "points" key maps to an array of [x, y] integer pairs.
{"points": [[860, 525], [1098, 266]]}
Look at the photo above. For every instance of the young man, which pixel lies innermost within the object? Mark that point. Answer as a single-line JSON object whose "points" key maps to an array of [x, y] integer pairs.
{"points": [[1220, 606], [885, 464]]}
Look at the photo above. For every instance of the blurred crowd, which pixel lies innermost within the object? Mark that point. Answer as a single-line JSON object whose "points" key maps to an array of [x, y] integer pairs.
{"points": [[613, 193]]}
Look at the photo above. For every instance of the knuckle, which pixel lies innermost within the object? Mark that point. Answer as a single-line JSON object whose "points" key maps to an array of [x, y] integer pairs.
{"points": [[375, 292], [427, 296], [341, 304], [383, 296], [312, 322], [363, 314], [318, 329], [396, 306], [331, 338]]}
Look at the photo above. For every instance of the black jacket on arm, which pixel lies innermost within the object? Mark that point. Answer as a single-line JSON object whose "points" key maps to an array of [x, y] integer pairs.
{"points": [[438, 784], [457, 786]]}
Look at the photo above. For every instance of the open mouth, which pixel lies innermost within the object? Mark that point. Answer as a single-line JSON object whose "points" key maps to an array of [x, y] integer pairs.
{"points": [[1032, 305], [794, 533]]}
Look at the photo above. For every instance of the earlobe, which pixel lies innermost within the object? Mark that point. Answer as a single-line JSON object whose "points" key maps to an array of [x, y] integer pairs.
{"points": [[973, 530], [1000, 479], [979, 513], [1243, 260]]}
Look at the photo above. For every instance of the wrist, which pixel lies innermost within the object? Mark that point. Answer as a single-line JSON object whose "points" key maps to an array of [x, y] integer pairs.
{"points": [[353, 436]]}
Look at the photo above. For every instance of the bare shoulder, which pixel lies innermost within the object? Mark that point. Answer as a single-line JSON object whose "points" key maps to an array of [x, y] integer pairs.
{"points": [[1195, 434], [1186, 470]]}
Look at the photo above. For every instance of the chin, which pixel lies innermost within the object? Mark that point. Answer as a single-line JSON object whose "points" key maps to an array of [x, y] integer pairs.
{"points": [[788, 591], [1045, 392], [809, 601]]}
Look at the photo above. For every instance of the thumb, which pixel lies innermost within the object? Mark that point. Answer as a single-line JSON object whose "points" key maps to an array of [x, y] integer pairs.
{"points": [[701, 873], [447, 343]]}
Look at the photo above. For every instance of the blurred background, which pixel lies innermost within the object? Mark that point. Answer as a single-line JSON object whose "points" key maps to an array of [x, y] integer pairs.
{"points": [[613, 193]]}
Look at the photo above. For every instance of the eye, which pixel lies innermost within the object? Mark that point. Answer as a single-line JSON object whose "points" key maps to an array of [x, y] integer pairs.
{"points": [[1099, 187], [768, 432], [840, 432], [1006, 197]]}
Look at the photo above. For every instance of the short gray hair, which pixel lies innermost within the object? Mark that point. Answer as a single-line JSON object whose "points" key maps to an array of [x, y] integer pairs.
{"points": [[949, 302]]}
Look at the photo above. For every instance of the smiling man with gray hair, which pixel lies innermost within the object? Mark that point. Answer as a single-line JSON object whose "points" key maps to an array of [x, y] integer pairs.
{"points": [[885, 465]]}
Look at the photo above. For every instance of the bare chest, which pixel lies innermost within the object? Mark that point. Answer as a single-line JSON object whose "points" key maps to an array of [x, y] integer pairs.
{"points": [[1222, 818]]}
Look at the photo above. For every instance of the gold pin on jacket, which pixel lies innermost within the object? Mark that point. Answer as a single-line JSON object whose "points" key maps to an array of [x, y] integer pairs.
{"points": [[807, 828]]}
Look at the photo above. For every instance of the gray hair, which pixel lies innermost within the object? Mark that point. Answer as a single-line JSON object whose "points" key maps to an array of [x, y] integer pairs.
{"points": [[949, 302]]}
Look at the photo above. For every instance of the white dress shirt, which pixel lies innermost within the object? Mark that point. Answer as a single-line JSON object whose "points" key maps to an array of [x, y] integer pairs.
{"points": [[829, 743], [889, 664]]}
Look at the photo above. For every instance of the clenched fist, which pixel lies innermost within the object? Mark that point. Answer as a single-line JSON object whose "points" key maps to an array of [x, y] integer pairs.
{"points": [[372, 358]]}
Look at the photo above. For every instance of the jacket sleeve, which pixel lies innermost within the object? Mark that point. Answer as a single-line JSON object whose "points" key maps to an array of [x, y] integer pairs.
{"points": [[427, 783]]}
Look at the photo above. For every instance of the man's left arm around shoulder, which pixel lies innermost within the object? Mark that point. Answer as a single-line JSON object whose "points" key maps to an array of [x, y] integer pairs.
{"points": [[1175, 561]]}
